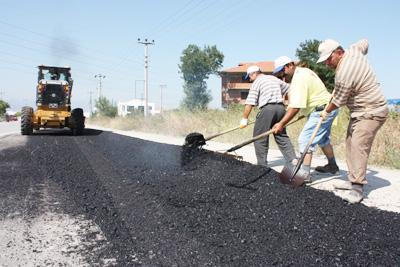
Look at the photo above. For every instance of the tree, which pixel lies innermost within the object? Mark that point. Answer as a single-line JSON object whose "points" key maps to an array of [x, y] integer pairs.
{"points": [[3, 107], [196, 66], [308, 55], [105, 108]]}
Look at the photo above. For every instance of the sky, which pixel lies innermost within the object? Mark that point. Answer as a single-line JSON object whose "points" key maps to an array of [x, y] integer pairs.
{"points": [[101, 37]]}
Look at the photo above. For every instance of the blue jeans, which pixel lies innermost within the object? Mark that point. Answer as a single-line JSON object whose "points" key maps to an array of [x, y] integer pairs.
{"points": [[323, 135]]}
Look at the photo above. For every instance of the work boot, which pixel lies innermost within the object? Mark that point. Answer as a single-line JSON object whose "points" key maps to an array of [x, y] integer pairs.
{"points": [[334, 169]]}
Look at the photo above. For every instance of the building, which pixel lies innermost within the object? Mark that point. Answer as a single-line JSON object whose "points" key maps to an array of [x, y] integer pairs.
{"points": [[233, 88], [135, 106]]}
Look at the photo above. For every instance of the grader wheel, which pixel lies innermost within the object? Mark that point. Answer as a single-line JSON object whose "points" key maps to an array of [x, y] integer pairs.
{"points": [[26, 121]]}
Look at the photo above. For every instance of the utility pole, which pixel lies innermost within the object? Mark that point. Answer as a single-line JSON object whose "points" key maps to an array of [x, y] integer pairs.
{"points": [[90, 102], [136, 84], [146, 43], [99, 86], [162, 86], [1, 95]]}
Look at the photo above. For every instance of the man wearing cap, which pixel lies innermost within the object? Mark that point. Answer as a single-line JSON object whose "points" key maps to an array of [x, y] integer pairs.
{"points": [[309, 96], [266, 92], [356, 86]]}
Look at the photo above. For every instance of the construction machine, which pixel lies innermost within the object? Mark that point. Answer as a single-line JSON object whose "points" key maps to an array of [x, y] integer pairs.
{"points": [[53, 103]]}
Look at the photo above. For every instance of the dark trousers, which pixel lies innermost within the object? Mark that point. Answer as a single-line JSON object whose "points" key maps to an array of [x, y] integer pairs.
{"points": [[266, 118]]}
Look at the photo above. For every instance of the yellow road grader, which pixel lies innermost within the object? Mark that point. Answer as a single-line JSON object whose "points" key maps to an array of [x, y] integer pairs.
{"points": [[53, 103]]}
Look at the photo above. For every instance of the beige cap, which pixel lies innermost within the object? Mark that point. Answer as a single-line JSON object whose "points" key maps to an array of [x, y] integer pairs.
{"points": [[326, 48]]}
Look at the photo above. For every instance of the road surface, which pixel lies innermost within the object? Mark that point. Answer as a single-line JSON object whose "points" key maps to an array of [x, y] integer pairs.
{"points": [[105, 199]]}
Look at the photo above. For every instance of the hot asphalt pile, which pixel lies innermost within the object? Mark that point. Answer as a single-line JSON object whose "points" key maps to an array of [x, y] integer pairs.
{"points": [[155, 211]]}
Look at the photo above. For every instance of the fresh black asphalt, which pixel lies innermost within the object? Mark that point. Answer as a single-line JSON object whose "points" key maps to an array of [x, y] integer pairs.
{"points": [[157, 209]]}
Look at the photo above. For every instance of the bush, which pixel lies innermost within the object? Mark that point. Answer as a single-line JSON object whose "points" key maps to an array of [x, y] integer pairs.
{"points": [[105, 108]]}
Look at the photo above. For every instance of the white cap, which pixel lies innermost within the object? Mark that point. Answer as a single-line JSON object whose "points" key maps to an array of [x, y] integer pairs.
{"points": [[326, 48], [280, 62], [250, 70]]}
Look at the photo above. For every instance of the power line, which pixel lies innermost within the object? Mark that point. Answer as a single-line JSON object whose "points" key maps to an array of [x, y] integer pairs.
{"points": [[70, 59], [56, 39], [184, 20], [170, 19]]}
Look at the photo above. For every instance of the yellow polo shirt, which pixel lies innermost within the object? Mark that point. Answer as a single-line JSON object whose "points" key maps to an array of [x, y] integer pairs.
{"points": [[307, 91]]}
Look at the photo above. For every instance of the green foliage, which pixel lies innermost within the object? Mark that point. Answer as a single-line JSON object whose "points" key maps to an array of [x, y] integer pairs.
{"points": [[105, 108], [395, 113], [308, 55], [3, 106], [196, 66]]}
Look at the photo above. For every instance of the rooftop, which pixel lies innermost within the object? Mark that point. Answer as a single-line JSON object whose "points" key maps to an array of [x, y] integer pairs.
{"points": [[265, 66]]}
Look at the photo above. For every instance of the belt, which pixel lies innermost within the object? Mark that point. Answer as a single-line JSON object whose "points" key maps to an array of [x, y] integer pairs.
{"points": [[320, 107], [275, 103]]}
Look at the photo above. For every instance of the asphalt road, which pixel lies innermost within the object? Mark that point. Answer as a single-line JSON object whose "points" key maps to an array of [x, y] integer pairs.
{"points": [[103, 199], [11, 127]]}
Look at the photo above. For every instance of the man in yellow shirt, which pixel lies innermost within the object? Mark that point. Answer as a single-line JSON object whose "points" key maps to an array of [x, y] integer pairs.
{"points": [[309, 96]]}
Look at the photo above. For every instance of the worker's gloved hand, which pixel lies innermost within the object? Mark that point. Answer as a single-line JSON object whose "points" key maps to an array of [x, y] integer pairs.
{"points": [[324, 115], [243, 123]]}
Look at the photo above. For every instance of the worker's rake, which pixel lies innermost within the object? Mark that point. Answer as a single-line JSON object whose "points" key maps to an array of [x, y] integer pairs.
{"points": [[195, 140]]}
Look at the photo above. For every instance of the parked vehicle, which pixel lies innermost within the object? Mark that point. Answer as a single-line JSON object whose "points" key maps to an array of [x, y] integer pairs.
{"points": [[10, 116]]}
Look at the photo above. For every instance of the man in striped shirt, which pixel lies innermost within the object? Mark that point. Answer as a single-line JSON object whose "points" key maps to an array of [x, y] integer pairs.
{"points": [[308, 96], [356, 86], [266, 92]]}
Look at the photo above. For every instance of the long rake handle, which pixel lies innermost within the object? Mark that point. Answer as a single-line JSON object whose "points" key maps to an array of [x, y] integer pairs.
{"points": [[225, 132], [255, 138]]}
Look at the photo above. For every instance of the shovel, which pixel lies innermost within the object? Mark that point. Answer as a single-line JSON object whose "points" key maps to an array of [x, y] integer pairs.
{"points": [[258, 137], [194, 140], [289, 174]]}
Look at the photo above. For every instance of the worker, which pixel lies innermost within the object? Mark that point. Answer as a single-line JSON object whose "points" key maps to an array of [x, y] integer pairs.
{"points": [[356, 87], [307, 96], [266, 92]]}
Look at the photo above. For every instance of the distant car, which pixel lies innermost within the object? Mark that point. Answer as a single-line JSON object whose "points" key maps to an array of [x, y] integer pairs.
{"points": [[11, 117]]}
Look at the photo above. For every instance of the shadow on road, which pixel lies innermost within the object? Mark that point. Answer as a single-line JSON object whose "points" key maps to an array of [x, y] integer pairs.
{"points": [[66, 132], [374, 181]]}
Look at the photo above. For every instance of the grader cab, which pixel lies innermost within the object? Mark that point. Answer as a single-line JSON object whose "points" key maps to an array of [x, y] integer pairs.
{"points": [[53, 103]]}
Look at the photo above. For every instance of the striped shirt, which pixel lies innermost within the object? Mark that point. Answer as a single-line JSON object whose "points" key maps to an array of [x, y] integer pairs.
{"points": [[355, 83], [266, 89]]}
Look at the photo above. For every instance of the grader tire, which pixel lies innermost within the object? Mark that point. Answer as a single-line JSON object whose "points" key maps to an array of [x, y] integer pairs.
{"points": [[26, 121], [78, 121]]}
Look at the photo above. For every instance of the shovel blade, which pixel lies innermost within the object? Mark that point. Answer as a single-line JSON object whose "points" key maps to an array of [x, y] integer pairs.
{"points": [[286, 176]]}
